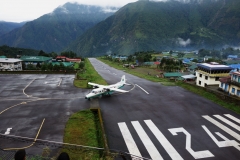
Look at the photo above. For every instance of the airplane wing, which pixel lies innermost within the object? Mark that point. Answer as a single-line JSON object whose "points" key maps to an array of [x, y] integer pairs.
{"points": [[118, 90], [94, 84]]}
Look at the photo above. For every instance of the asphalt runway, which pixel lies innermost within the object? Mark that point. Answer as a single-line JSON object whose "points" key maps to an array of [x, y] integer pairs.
{"points": [[37, 106], [151, 120], [166, 122]]}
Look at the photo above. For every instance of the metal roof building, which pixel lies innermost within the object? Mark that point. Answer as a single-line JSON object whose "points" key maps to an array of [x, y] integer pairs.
{"points": [[11, 64], [36, 59]]}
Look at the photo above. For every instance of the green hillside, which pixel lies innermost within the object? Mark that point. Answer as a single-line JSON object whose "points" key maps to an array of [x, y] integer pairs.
{"points": [[12, 52], [54, 31], [144, 25]]}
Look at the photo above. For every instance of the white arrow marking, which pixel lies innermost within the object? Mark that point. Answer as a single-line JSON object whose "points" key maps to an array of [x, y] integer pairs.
{"points": [[8, 131]]}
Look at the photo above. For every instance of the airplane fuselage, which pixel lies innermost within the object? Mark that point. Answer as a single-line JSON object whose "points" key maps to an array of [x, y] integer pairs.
{"points": [[101, 90], [98, 92]]}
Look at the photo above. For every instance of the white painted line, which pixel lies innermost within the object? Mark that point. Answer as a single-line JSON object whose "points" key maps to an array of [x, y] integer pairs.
{"points": [[232, 117], [225, 138], [60, 82], [8, 131], [27, 86], [131, 145], [152, 150], [226, 143], [163, 140], [228, 122], [142, 89], [195, 154], [224, 128]]}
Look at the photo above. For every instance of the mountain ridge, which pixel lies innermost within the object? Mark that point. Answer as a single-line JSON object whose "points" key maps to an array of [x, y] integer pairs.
{"points": [[148, 25], [53, 31]]}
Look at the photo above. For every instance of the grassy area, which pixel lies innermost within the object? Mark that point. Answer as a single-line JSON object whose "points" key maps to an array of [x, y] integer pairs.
{"points": [[82, 128], [146, 73], [89, 74], [210, 96]]}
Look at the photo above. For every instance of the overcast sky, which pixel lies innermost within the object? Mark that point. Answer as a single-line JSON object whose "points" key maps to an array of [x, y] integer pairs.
{"points": [[24, 10]]}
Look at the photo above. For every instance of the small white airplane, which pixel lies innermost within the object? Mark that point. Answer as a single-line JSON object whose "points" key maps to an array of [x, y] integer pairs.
{"points": [[101, 90]]}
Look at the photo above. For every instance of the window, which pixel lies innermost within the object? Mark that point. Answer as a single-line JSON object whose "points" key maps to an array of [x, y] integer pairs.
{"points": [[206, 77], [221, 85], [199, 82], [200, 75], [217, 79], [233, 90], [238, 92]]}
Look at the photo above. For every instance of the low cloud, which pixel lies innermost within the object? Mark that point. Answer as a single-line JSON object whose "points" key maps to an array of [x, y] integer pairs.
{"points": [[182, 42]]}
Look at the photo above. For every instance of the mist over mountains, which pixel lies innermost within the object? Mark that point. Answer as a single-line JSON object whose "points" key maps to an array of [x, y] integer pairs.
{"points": [[149, 25], [140, 26], [54, 31]]}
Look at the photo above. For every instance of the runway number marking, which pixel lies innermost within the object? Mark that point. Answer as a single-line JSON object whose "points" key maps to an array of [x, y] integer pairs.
{"points": [[225, 143], [195, 154], [172, 152], [8, 131]]}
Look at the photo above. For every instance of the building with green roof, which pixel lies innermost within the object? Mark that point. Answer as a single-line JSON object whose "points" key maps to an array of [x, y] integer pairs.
{"points": [[35, 59], [66, 64], [172, 75]]}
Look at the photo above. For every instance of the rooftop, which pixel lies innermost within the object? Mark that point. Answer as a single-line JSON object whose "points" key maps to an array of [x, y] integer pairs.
{"points": [[172, 74], [214, 66], [35, 58], [9, 60]]}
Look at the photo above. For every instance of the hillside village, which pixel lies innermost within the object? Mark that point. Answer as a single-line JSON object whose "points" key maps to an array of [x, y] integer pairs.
{"points": [[195, 67]]}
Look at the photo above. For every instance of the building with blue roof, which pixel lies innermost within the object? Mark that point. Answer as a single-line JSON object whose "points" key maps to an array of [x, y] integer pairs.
{"points": [[232, 57], [234, 66]]}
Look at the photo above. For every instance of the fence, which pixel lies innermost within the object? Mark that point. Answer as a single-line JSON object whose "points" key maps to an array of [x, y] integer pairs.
{"points": [[49, 150]]}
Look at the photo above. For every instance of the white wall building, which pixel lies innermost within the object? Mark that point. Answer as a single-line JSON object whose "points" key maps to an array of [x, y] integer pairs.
{"points": [[231, 84], [209, 74], [10, 64]]}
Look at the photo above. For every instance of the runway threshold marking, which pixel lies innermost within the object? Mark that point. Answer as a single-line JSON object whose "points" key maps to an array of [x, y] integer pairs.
{"points": [[131, 145], [7, 149], [142, 89]]}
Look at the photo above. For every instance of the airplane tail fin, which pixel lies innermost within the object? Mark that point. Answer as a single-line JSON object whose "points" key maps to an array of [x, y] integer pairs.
{"points": [[123, 80]]}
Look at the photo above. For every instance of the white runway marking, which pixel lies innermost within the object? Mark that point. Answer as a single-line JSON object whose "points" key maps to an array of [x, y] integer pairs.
{"points": [[152, 150], [60, 82], [163, 140], [8, 131], [233, 118], [225, 143], [224, 128], [228, 122], [131, 145], [26, 87], [195, 154], [142, 89]]}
